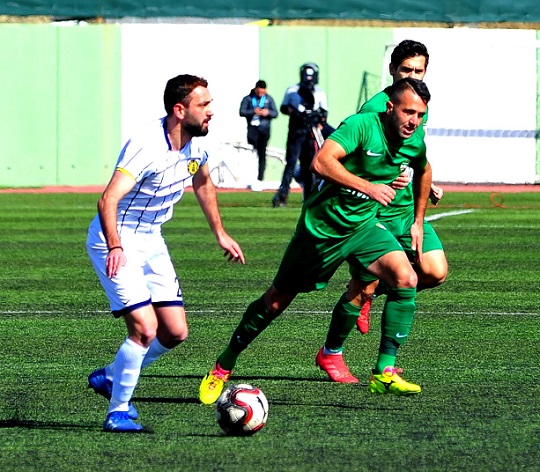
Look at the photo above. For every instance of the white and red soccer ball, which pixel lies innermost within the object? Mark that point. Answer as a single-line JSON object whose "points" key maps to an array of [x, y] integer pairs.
{"points": [[241, 410]]}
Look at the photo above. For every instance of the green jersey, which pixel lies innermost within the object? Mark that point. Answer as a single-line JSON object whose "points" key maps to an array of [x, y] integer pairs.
{"points": [[404, 198], [336, 212]]}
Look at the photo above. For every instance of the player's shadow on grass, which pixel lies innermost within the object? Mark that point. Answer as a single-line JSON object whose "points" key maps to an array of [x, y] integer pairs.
{"points": [[166, 400], [31, 424], [16, 423], [333, 405], [286, 403], [244, 378]]}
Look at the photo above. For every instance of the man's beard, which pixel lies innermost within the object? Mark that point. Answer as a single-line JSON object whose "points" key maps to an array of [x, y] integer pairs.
{"points": [[195, 130], [393, 129]]}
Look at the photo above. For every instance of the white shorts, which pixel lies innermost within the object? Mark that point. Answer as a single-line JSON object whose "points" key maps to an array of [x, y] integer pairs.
{"points": [[148, 276]]}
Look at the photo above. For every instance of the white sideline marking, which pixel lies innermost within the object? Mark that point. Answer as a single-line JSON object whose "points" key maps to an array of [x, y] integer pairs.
{"points": [[438, 216], [297, 312]]}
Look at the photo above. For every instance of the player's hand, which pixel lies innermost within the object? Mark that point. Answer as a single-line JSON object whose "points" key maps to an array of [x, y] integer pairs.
{"points": [[116, 259], [401, 182], [232, 249], [382, 193], [435, 194], [417, 240]]}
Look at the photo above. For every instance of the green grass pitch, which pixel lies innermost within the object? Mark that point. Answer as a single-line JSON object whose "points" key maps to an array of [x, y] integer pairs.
{"points": [[474, 348]]}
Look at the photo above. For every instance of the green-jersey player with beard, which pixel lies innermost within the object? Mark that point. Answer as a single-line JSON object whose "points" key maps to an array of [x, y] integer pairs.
{"points": [[334, 211], [404, 197], [357, 165], [409, 59]]}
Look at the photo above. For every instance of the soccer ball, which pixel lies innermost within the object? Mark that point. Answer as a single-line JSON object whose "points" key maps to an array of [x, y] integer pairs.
{"points": [[241, 410]]}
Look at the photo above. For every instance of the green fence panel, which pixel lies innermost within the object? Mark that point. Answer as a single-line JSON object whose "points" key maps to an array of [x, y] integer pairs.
{"points": [[89, 104], [61, 104], [447, 11], [28, 111], [538, 103]]}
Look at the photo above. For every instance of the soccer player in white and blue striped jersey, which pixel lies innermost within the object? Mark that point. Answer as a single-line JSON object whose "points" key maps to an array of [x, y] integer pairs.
{"points": [[128, 251]]}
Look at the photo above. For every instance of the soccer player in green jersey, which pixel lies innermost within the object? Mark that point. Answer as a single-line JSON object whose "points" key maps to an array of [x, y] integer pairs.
{"points": [[409, 59], [338, 223]]}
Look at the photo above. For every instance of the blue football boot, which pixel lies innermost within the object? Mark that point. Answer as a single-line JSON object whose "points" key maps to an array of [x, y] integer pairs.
{"points": [[102, 386], [119, 422]]}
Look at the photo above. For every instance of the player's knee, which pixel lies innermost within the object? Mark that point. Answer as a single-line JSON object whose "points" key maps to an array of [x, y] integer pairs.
{"points": [[433, 270], [432, 279], [358, 292], [275, 308], [175, 334], [406, 278], [146, 336], [433, 275], [276, 302]]}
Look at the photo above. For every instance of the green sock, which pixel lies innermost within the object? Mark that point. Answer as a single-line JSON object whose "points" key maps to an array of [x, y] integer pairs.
{"points": [[396, 323], [255, 320], [398, 314], [227, 359], [387, 355], [344, 318]]}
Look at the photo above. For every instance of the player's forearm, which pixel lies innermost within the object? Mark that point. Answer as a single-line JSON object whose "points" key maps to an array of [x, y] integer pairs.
{"points": [[421, 189], [121, 183], [206, 195], [107, 210], [328, 167], [210, 209]]}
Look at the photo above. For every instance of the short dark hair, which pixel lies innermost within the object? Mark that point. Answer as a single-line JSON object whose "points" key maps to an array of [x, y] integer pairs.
{"points": [[418, 86], [406, 49], [260, 84], [178, 89]]}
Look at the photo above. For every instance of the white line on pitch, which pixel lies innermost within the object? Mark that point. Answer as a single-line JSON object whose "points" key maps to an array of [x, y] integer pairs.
{"points": [[448, 213], [297, 312]]}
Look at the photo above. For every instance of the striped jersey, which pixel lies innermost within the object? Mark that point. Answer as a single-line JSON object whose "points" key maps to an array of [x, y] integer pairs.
{"points": [[161, 176]]}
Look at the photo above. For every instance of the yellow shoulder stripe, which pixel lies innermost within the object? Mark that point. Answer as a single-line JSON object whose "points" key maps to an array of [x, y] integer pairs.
{"points": [[124, 171]]}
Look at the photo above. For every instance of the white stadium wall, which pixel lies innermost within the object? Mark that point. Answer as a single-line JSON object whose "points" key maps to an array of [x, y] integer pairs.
{"points": [[482, 116], [482, 119], [225, 55]]}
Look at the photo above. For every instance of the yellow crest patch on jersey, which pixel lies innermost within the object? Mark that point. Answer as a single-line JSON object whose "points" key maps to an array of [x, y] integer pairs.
{"points": [[193, 167]]}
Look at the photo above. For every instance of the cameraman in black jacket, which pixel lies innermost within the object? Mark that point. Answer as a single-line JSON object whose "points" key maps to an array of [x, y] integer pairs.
{"points": [[306, 105]]}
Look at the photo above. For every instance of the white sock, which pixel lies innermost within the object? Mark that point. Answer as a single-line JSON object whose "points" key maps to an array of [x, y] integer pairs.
{"points": [[109, 371], [332, 352], [127, 367], [155, 351]]}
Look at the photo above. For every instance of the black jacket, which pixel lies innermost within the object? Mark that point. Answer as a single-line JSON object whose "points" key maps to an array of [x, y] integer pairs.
{"points": [[247, 110]]}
